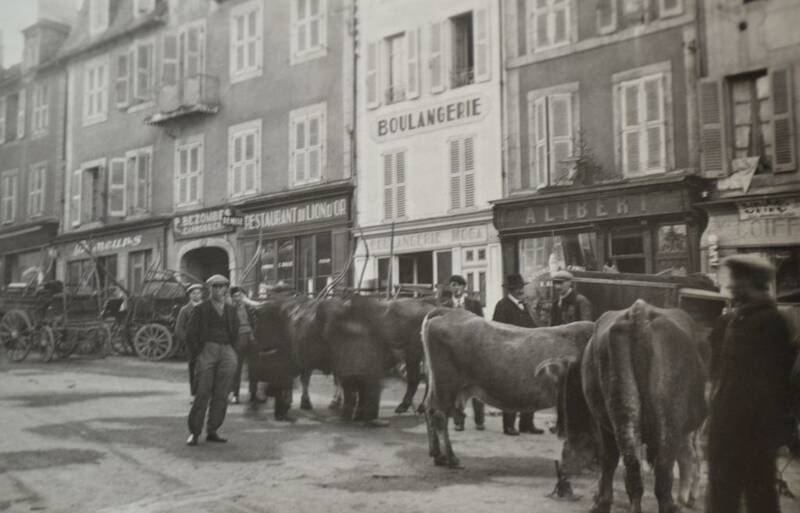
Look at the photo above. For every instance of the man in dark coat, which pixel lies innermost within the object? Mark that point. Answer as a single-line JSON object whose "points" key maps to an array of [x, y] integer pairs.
{"points": [[752, 355], [195, 292], [245, 347], [459, 299], [212, 333], [568, 306], [512, 310]]}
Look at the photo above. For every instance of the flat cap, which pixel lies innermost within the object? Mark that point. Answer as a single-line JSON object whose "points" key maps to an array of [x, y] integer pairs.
{"points": [[217, 279], [457, 278], [752, 266], [194, 286], [562, 276]]}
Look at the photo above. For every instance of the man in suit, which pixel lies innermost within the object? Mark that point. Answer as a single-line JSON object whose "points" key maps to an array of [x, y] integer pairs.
{"points": [[195, 292], [458, 299], [569, 306], [512, 310], [212, 333]]}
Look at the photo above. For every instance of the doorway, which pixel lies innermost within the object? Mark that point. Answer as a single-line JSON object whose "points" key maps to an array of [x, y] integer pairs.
{"points": [[202, 263]]}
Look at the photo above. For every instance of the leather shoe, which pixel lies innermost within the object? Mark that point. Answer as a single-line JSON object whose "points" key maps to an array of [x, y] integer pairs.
{"points": [[213, 437], [510, 431], [479, 427], [192, 440]]}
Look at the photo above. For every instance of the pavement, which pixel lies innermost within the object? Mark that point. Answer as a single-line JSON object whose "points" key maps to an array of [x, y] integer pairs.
{"points": [[108, 436]]}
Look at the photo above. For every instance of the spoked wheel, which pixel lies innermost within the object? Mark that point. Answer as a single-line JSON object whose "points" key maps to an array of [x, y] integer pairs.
{"points": [[153, 342], [44, 344], [16, 334]]}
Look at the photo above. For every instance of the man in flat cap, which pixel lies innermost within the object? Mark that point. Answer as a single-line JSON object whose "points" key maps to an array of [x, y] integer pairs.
{"points": [[569, 306], [512, 310], [212, 334], [752, 355], [195, 292], [457, 286]]}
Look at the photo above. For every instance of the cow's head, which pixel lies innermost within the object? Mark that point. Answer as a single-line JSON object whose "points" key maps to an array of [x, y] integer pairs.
{"points": [[575, 424]]}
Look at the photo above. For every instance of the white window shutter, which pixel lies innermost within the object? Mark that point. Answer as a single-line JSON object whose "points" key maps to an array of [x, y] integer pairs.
{"points": [[21, 113], [2, 119], [116, 187], [540, 137], [437, 55], [713, 160], [654, 129], [412, 60], [631, 135], [373, 85], [75, 196], [560, 23], [482, 50], [314, 147], [400, 183], [121, 84], [455, 174], [783, 144], [561, 137], [388, 186], [469, 171]]}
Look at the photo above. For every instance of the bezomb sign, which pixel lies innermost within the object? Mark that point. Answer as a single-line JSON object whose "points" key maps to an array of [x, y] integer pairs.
{"points": [[206, 222]]}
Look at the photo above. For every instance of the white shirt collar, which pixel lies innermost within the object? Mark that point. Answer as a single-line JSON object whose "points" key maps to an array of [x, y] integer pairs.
{"points": [[516, 302]]}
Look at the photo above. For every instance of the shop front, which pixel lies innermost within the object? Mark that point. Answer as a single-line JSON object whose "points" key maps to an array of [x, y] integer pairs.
{"points": [[648, 226], [768, 225], [25, 249], [204, 242], [302, 240], [123, 252]]}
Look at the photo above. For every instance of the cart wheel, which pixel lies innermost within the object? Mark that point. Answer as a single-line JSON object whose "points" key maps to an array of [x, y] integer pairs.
{"points": [[44, 344], [16, 333], [153, 342]]}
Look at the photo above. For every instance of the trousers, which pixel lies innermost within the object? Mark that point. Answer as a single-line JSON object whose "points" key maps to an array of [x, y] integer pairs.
{"points": [[244, 355], [525, 420], [214, 370]]}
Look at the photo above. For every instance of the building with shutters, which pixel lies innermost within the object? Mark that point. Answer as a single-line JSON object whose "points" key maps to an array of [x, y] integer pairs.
{"points": [[210, 136], [601, 136], [429, 146], [32, 110], [749, 118]]}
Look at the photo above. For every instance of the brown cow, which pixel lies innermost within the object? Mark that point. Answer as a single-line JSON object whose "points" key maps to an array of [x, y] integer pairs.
{"points": [[642, 378], [505, 366]]}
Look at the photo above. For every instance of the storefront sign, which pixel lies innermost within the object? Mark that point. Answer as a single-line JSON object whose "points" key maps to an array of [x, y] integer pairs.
{"points": [[787, 207], [412, 122], [310, 212], [731, 231], [591, 209], [430, 240], [114, 245], [205, 222]]}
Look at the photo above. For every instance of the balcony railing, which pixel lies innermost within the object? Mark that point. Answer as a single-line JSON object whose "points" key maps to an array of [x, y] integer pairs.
{"points": [[198, 94], [462, 77]]}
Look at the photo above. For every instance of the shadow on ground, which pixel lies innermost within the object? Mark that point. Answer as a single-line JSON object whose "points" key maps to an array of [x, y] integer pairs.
{"points": [[56, 399], [46, 458]]}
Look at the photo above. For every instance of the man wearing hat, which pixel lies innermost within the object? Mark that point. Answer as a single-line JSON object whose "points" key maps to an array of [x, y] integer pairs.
{"points": [[457, 286], [212, 334], [512, 310], [195, 292], [752, 355], [569, 306]]}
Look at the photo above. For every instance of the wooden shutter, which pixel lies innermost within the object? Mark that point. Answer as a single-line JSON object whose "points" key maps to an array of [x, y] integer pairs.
{"points": [[195, 51], [654, 120], [469, 171], [388, 186], [783, 143], [713, 161], [75, 196], [437, 67], [560, 131], [412, 60], [21, 114], [121, 88], [116, 188], [631, 136], [400, 183], [2, 119], [373, 65], [482, 50], [315, 141], [455, 173], [540, 137], [606, 16]]}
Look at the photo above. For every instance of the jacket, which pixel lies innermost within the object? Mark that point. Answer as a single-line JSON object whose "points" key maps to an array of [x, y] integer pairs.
{"points": [[506, 311], [197, 328], [182, 321], [572, 308], [471, 305]]}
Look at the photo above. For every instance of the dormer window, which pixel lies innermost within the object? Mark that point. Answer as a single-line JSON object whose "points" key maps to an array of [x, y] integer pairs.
{"points": [[141, 7], [98, 16], [31, 57]]}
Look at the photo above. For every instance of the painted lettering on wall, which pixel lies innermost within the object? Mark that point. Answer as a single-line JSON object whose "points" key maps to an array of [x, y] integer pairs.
{"points": [[106, 246], [206, 222], [411, 122], [783, 207], [430, 239], [732, 231], [312, 211]]}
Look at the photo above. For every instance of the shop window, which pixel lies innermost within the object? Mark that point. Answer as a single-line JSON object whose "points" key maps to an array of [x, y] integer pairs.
{"points": [[106, 271], [416, 268], [36, 184], [787, 285], [577, 251], [549, 24], [8, 196], [462, 172], [269, 270], [246, 51], [307, 136], [285, 262], [552, 125], [628, 251], [314, 262], [138, 265], [444, 266], [308, 29], [383, 273], [394, 185], [673, 249], [244, 159], [80, 276], [476, 285]]}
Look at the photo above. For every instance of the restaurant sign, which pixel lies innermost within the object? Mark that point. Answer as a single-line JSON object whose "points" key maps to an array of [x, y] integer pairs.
{"points": [[206, 222], [301, 213], [413, 121]]}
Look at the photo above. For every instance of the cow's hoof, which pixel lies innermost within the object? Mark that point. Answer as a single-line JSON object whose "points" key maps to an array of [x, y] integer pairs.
{"points": [[421, 409], [402, 408], [305, 404], [601, 507]]}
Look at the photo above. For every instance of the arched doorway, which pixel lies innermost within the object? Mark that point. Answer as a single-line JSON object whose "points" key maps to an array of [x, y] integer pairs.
{"points": [[206, 261]]}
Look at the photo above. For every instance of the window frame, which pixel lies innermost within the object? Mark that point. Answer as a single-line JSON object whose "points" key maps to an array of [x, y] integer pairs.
{"points": [[393, 188], [135, 96], [298, 56], [118, 188], [242, 130], [6, 198], [40, 169], [3, 111], [89, 95], [246, 72], [533, 12], [401, 65], [132, 180], [40, 110], [572, 90], [95, 8], [305, 115], [463, 173], [187, 144]]}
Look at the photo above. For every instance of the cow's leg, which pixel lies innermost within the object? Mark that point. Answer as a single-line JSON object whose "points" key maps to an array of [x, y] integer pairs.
{"points": [[449, 459], [633, 479], [609, 459], [433, 438], [665, 462], [689, 471], [305, 401], [412, 380], [349, 397], [369, 402]]}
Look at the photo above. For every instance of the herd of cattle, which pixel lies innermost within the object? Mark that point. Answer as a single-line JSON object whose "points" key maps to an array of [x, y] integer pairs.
{"points": [[633, 378]]}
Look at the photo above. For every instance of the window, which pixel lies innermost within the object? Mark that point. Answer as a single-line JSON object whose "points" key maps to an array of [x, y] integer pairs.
{"points": [[8, 200], [754, 117], [400, 75], [314, 262], [463, 57], [95, 91], [40, 111], [552, 125], [469, 56], [549, 24], [141, 7], [36, 184], [394, 185], [606, 16], [395, 68], [12, 117], [138, 264], [462, 172], [3, 102], [244, 159], [673, 247], [183, 62], [139, 165], [670, 7], [31, 53], [308, 29], [87, 193], [117, 188], [189, 174], [143, 64], [642, 111], [307, 140], [246, 41], [98, 16], [627, 250], [21, 97], [567, 251]]}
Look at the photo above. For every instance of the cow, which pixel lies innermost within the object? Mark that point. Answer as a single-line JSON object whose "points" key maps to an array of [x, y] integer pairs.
{"points": [[508, 367], [642, 379]]}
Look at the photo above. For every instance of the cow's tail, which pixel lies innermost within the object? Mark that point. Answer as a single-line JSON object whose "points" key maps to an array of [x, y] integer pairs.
{"points": [[424, 335]]}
